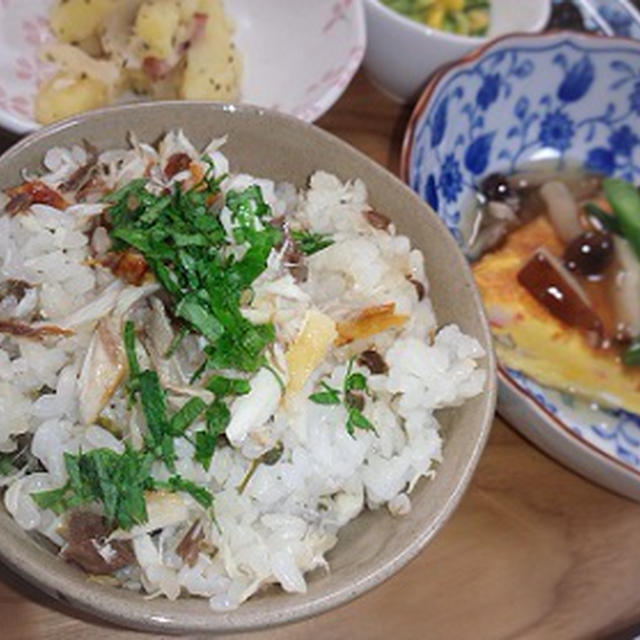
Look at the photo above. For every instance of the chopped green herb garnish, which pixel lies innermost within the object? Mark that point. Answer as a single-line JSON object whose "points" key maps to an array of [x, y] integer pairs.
{"points": [[185, 244], [310, 242], [355, 381], [357, 420], [116, 481], [53, 499], [328, 396], [176, 342], [218, 417], [187, 415], [134, 367], [183, 241], [154, 405], [222, 386], [268, 458], [199, 494], [352, 396], [194, 309]]}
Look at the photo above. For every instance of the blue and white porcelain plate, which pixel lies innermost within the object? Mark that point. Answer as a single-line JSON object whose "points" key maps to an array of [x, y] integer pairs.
{"points": [[566, 99]]}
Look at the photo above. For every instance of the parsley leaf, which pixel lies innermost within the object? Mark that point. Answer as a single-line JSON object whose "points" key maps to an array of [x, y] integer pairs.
{"points": [[218, 417], [154, 406], [176, 342], [194, 310], [53, 499], [352, 399], [327, 397], [310, 242], [117, 481], [134, 367], [356, 420], [186, 247], [355, 381], [222, 386], [187, 415], [178, 483]]}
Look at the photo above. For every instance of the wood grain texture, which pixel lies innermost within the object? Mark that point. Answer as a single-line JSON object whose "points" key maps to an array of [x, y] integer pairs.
{"points": [[533, 551]]}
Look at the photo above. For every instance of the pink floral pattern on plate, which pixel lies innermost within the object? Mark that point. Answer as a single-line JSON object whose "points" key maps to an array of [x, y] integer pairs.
{"points": [[334, 35]]}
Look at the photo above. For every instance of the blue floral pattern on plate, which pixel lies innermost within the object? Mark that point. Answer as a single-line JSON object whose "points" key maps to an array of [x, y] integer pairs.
{"points": [[564, 100], [609, 17], [620, 16]]}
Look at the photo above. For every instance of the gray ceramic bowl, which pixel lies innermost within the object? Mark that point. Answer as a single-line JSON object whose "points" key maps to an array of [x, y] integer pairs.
{"points": [[375, 545]]}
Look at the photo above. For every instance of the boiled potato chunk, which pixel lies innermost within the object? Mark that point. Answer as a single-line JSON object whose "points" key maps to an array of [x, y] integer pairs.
{"points": [[213, 67], [65, 95], [76, 20], [156, 25]]}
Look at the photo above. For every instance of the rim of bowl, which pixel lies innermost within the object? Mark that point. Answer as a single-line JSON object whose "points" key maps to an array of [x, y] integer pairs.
{"points": [[625, 468], [103, 602], [318, 108], [419, 27], [406, 152]]}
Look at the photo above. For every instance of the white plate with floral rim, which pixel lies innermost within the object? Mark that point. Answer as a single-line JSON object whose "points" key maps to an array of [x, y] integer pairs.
{"points": [[298, 57]]}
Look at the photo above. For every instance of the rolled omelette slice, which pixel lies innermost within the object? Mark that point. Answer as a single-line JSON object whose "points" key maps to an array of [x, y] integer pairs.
{"points": [[531, 340]]}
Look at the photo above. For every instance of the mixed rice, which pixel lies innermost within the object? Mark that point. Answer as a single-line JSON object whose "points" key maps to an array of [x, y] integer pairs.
{"points": [[204, 375]]}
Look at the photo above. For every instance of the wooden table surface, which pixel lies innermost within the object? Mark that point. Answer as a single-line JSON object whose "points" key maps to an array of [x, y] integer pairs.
{"points": [[533, 551]]}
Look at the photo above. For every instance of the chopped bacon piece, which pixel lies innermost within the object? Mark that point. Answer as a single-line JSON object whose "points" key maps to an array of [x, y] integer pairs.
{"points": [[155, 68], [131, 267], [176, 163], [198, 28], [21, 330], [34, 192], [86, 534], [369, 321]]}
